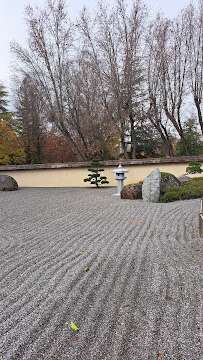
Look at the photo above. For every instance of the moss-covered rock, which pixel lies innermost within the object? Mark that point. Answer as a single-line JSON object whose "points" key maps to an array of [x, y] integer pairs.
{"points": [[169, 181], [189, 190]]}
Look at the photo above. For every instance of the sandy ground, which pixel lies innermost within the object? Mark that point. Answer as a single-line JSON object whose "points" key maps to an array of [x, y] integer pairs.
{"points": [[140, 298]]}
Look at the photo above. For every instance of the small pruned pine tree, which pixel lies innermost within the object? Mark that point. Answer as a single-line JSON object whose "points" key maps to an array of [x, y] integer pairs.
{"points": [[194, 167], [95, 176]]}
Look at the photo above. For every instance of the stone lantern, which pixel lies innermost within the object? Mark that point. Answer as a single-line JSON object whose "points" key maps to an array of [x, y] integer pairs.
{"points": [[120, 176]]}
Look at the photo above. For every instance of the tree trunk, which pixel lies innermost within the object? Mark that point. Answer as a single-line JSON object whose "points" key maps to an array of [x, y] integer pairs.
{"points": [[123, 143], [178, 129], [133, 137], [167, 141], [65, 132], [197, 104], [85, 144], [159, 126]]}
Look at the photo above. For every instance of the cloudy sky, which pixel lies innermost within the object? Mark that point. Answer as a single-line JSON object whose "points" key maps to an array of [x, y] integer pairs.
{"points": [[12, 24]]}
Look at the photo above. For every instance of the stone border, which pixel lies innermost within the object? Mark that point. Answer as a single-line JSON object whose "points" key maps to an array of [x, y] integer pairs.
{"points": [[167, 160]]}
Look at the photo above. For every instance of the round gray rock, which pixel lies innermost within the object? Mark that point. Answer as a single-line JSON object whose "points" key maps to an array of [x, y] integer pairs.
{"points": [[184, 178], [132, 191], [169, 181], [7, 183]]}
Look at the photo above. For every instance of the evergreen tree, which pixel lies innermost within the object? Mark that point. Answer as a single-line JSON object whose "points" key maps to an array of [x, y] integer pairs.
{"points": [[193, 137], [95, 176]]}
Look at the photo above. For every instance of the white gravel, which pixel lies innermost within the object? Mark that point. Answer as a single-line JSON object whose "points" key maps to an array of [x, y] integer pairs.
{"points": [[140, 299]]}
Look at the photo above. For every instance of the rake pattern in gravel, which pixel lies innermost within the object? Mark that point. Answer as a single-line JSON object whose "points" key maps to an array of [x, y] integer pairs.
{"points": [[140, 298]]}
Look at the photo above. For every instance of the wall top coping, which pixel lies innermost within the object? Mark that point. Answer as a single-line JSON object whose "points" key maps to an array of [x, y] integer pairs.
{"points": [[167, 160]]}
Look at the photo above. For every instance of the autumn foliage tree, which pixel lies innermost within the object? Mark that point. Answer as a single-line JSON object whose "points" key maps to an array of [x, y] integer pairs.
{"points": [[56, 149], [11, 148]]}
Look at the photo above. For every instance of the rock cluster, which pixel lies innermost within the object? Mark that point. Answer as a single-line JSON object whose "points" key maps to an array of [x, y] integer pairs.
{"points": [[150, 189]]}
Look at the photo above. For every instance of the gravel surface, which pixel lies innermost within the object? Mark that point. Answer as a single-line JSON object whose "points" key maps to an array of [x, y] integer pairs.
{"points": [[140, 298]]}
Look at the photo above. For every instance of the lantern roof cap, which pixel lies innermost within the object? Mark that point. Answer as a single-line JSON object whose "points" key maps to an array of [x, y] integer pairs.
{"points": [[119, 170]]}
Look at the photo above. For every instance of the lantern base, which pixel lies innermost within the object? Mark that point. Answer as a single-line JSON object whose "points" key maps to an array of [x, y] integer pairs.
{"points": [[118, 194]]}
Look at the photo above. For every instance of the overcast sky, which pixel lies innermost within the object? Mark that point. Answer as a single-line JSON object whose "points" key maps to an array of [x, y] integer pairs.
{"points": [[12, 24]]}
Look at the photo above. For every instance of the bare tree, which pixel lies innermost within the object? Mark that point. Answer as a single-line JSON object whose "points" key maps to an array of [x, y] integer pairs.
{"points": [[48, 61], [131, 30], [154, 110], [172, 53], [88, 116], [113, 50], [194, 25], [97, 78]]}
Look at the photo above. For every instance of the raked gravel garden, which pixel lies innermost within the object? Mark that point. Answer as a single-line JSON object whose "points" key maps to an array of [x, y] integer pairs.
{"points": [[126, 273]]}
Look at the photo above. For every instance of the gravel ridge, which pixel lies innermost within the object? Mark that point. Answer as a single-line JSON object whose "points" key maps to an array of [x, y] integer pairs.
{"points": [[140, 298]]}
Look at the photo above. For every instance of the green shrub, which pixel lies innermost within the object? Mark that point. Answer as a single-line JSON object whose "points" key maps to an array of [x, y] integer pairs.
{"points": [[190, 190]]}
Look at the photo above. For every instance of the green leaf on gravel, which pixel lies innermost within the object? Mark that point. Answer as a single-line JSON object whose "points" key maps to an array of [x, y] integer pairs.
{"points": [[73, 326], [81, 252]]}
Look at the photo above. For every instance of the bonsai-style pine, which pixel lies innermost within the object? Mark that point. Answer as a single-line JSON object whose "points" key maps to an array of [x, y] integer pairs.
{"points": [[95, 176], [194, 167]]}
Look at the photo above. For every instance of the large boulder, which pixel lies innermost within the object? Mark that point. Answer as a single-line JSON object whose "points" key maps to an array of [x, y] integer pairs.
{"points": [[7, 183], [151, 186], [132, 191], [169, 181]]}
